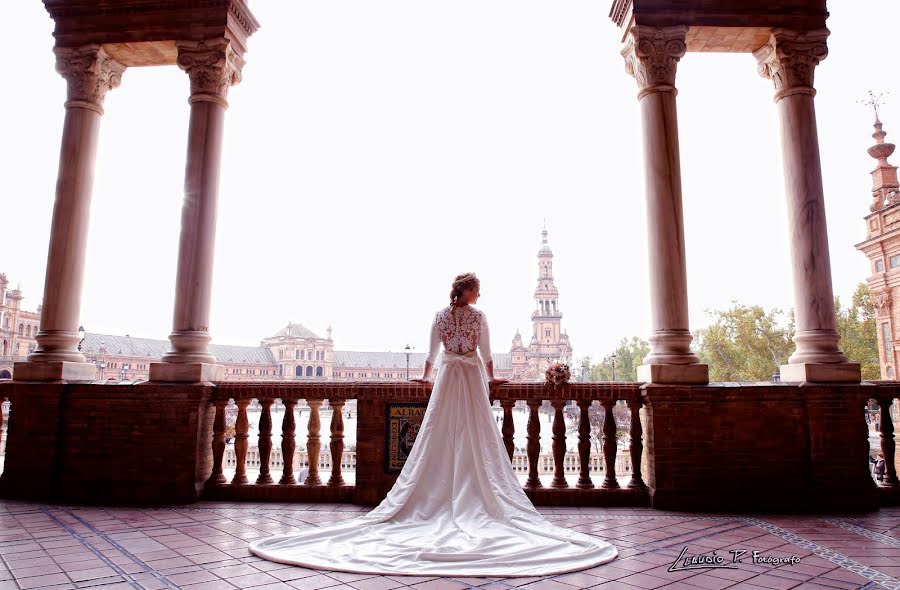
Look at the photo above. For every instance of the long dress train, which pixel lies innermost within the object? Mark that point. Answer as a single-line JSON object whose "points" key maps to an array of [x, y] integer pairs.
{"points": [[456, 509]]}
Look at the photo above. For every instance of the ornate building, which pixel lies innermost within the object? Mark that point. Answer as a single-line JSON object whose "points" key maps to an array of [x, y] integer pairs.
{"points": [[18, 327], [295, 351], [882, 247], [548, 343]]}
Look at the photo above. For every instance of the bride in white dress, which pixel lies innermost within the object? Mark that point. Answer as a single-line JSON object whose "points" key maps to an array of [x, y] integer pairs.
{"points": [[457, 508]]}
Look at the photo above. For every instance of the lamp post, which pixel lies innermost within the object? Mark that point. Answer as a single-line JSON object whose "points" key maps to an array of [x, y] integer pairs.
{"points": [[612, 358], [124, 372], [101, 366], [80, 337], [407, 349]]}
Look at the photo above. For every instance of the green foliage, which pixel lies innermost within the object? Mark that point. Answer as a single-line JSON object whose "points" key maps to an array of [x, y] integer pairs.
{"points": [[749, 343], [859, 331], [628, 355], [745, 343]]}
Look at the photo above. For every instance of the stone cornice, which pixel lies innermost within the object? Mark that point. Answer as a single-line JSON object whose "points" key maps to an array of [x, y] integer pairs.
{"points": [[651, 56], [90, 73], [66, 9], [213, 67], [790, 58]]}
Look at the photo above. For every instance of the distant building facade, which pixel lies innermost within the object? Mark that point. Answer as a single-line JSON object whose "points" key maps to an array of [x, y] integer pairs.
{"points": [[882, 247], [296, 352]]}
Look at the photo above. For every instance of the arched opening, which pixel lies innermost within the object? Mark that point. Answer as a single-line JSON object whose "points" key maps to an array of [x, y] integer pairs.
{"points": [[309, 371], [319, 372], [4, 374], [298, 371]]}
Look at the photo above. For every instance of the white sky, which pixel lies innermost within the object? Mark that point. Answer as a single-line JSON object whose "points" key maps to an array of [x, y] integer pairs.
{"points": [[374, 150]]}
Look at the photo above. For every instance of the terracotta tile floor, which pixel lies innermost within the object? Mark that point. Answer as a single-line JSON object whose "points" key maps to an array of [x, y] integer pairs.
{"points": [[204, 546]]}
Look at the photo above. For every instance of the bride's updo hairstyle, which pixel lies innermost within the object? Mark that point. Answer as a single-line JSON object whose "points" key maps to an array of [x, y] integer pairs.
{"points": [[461, 283]]}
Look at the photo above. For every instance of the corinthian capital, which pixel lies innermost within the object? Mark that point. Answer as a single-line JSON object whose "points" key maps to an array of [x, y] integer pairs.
{"points": [[89, 72], [651, 56], [790, 58], [213, 67]]}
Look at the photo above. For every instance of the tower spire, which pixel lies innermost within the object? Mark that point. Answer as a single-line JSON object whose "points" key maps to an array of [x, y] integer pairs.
{"points": [[885, 185]]}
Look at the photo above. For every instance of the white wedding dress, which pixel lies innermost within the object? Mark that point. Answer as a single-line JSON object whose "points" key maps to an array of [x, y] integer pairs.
{"points": [[456, 508]]}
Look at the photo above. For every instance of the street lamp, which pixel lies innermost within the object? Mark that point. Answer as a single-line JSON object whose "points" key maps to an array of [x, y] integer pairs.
{"points": [[613, 359], [101, 366], [80, 337], [407, 361], [124, 372]]}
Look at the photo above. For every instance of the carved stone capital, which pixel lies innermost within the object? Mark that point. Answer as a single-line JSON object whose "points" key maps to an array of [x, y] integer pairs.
{"points": [[790, 58], [651, 56], [213, 67], [89, 72], [882, 301]]}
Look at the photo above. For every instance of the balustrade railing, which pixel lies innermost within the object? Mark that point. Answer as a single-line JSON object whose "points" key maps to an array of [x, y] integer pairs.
{"points": [[880, 420], [5, 408], [254, 470]]}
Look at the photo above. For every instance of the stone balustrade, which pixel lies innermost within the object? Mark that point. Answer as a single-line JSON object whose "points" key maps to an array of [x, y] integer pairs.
{"points": [[372, 482], [887, 393]]}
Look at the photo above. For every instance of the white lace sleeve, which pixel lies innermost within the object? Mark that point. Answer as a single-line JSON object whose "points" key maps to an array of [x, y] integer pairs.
{"points": [[434, 343], [484, 341]]}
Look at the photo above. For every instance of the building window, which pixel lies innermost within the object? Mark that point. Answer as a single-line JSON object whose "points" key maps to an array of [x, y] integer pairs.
{"points": [[309, 371], [296, 355], [879, 265], [298, 371], [309, 355], [21, 329], [28, 330], [895, 261], [281, 354], [319, 371]]}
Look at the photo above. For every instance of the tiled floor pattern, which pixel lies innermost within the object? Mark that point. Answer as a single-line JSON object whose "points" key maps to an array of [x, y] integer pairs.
{"points": [[204, 547]]}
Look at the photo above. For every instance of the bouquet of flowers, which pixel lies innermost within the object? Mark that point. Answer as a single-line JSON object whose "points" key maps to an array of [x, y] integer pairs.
{"points": [[557, 374]]}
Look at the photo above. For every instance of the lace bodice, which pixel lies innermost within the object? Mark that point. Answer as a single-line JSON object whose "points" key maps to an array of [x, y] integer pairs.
{"points": [[461, 331]]}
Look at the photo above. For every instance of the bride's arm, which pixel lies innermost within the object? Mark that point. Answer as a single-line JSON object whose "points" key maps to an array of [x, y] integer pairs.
{"points": [[433, 346], [484, 346]]}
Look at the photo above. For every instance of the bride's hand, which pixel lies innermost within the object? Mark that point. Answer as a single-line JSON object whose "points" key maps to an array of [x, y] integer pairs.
{"points": [[498, 381], [420, 380]]}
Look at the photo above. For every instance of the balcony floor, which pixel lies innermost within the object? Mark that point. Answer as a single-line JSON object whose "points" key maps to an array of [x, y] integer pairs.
{"points": [[203, 546]]}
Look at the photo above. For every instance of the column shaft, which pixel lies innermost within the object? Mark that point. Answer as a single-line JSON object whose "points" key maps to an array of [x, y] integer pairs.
{"points": [[213, 67], [89, 73], [789, 60], [651, 56]]}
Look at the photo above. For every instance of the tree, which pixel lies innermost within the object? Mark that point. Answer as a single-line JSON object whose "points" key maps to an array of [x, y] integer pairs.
{"points": [[745, 343], [629, 354], [859, 332]]}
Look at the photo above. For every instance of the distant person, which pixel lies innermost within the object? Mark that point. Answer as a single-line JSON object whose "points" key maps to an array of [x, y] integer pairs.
{"points": [[301, 477], [880, 467]]}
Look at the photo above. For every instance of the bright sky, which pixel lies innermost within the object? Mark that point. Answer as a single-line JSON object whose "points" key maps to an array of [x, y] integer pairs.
{"points": [[374, 150]]}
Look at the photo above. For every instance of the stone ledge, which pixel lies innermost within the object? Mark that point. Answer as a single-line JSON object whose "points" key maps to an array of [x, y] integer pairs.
{"points": [[54, 371], [821, 373], [690, 374], [186, 372]]}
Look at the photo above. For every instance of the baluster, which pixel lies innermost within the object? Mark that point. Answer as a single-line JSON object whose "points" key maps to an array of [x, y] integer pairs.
{"points": [[265, 442], [584, 445], [288, 432], [313, 444], [888, 448], [534, 444], [609, 445], [636, 448], [337, 442], [559, 445], [241, 435], [218, 444], [509, 429]]}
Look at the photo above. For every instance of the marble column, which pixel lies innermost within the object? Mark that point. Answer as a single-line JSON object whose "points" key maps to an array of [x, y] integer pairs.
{"points": [[213, 66], [651, 56], [89, 73], [789, 59]]}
